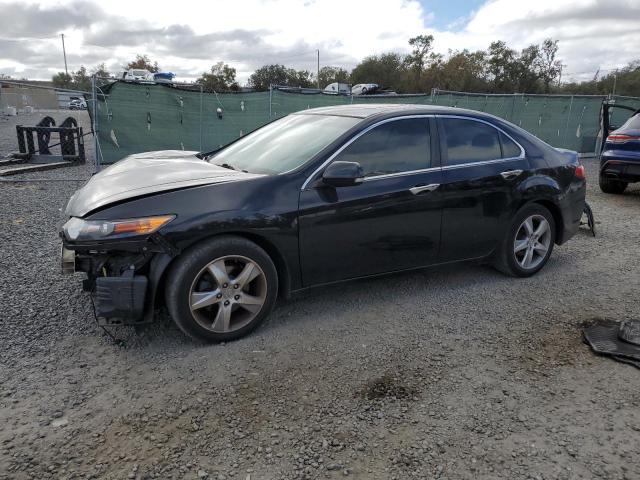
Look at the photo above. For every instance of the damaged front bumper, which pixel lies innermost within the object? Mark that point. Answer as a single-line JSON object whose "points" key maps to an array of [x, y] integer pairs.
{"points": [[122, 279]]}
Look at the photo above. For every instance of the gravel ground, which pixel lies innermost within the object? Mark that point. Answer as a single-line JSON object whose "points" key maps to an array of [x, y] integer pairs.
{"points": [[454, 373]]}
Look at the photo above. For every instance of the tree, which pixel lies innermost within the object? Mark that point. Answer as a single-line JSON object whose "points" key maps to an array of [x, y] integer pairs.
{"points": [[417, 59], [220, 78], [502, 66], [548, 67], [332, 74], [100, 71], [142, 62], [300, 78], [269, 75], [387, 70], [463, 71], [526, 70], [81, 81], [61, 80]]}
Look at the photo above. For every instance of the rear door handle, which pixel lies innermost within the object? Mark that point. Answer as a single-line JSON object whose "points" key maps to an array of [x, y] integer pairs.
{"points": [[418, 189], [509, 174]]}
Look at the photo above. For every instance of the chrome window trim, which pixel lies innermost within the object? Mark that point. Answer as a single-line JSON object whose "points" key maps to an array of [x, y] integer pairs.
{"points": [[483, 162], [400, 174], [522, 155], [353, 139]]}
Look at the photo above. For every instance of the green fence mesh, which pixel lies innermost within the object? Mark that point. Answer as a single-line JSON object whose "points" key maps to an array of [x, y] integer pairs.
{"points": [[134, 117]]}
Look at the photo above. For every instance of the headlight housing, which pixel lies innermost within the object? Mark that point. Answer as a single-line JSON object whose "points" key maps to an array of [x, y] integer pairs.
{"points": [[78, 229]]}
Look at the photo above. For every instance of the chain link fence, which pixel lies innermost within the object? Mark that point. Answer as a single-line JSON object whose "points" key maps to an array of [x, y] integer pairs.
{"points": [[133, 117], [137, 117]]}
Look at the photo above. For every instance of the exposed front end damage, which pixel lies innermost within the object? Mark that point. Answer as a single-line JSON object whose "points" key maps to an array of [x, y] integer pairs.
{"points": [[122, 281]]}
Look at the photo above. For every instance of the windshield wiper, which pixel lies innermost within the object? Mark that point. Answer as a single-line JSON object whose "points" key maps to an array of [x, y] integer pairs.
{"points": [[206, 155], [226, 165]]}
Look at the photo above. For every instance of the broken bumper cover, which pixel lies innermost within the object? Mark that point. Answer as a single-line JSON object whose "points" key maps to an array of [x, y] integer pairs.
{"points": [[67, 260], [121, 297], [571, 210]]}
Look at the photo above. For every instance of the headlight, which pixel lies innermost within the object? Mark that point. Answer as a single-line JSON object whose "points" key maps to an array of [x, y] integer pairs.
{"points": [[79, 229]]}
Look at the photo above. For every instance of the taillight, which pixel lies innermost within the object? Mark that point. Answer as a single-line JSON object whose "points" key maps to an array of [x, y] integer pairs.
{"points": [[581, 173], [621, 138]]}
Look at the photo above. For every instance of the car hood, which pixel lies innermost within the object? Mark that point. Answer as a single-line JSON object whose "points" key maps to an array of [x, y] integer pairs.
{"points": [[148, 173]]}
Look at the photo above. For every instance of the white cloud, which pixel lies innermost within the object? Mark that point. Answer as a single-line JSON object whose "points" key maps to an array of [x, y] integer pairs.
{"points": [[189, 36]]}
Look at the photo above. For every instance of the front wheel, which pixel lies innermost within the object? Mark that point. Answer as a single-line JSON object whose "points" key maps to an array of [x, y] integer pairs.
{"points": [[221, 290], [611, 185], [528, 243]]}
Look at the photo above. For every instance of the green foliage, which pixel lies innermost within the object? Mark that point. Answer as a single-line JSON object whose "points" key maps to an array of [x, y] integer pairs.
{"points": [[387, 70], [333, 74], [626, 81], [268, 75], [80, 79], [221, 78], [100, 71], [142, 62], [499, 69], [62, 80]]}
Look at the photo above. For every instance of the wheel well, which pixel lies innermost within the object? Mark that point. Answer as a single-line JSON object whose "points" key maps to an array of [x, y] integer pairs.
{"points": [[284, 279], [557, 217]]}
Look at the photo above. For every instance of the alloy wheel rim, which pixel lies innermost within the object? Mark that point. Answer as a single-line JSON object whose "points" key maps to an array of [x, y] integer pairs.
{"points": [[228, 293], [532, 242]]}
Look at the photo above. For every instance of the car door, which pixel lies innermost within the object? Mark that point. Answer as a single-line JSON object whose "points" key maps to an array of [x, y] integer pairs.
{"points": [[481, 169], [388, 222]]}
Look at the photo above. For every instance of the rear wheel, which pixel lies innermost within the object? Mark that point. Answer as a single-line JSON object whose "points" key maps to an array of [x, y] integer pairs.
{"points": [[528, 243], [611, 185], [221, 290]]}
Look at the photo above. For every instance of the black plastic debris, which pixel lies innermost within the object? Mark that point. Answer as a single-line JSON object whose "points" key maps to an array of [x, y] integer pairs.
{"points": [[620, 341], [591, 223]]}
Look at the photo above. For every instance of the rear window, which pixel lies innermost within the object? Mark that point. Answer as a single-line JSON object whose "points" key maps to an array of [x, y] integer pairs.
{"points": [[468, 141], [509, 148], [633, 123]]}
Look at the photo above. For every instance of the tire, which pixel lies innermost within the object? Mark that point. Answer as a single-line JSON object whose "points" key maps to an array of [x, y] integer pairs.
{"points": [[611, 185], [515, 263], [210, 300]]}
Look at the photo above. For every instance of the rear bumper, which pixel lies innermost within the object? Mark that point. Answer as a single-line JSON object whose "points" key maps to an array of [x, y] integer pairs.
{"points": [[571, 209], [620, 168]]}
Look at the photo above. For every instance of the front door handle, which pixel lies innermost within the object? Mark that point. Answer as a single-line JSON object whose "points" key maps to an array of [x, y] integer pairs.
{"points": [[509, 174], [424, 188]]}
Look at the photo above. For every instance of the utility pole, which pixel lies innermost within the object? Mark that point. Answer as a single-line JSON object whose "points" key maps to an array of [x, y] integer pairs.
{"points": [[64, 53], [615, 79], [318, 74]]}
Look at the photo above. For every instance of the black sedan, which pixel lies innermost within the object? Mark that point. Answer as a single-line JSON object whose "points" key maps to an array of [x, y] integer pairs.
{"points": [[317, 197]]}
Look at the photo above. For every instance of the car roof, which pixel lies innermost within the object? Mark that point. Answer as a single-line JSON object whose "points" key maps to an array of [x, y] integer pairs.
{"points": [[391, 109]]}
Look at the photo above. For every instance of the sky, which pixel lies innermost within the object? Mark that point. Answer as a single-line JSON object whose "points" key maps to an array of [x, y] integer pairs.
{"points": [[189, 36]]}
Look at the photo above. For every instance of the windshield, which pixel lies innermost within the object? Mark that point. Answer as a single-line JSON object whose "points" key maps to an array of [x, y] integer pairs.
{"points": [[284, 144]]}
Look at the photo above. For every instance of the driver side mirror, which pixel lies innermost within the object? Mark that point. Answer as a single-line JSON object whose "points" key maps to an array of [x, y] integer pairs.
{"points": [[343, 174]]}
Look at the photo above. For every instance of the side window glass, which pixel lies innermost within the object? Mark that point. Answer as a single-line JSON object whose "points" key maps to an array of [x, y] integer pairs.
{"points": [[468, 141], [393, 147], [509, 148]]}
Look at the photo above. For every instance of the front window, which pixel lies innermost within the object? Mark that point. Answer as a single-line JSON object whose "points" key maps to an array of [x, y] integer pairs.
{"points": [[394, 147], [284, 144]]}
